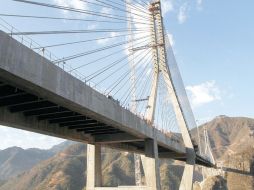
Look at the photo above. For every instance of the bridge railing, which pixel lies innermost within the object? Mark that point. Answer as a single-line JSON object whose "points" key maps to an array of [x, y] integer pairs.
{"points": [[36, 47], [25, 40]]}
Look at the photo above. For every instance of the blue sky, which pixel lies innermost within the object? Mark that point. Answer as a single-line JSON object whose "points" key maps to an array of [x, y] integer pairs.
{"points": [[213, 43], [214, 49]]}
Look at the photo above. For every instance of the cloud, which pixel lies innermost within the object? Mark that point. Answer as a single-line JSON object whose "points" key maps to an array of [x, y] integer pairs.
{"points": [[106, 10], [167, 6], [107, 40], [171, 39], [199, 2], [77, 4], [149, 70], [92, 26], [204, 93], [182, 14]]}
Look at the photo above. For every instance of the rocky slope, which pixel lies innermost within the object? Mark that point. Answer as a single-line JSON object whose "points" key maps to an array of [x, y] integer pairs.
{"points": [[15, 160], [212, 183], [62, 171], [242, 161], [67, 170], [228, 135]]}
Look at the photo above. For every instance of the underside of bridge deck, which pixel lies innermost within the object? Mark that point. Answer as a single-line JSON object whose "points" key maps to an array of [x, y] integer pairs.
{"points": [[18, 100]]}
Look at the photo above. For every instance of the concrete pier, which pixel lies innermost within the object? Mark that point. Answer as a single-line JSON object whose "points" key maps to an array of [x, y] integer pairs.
{"points": [[94, 170], [151, 165]]}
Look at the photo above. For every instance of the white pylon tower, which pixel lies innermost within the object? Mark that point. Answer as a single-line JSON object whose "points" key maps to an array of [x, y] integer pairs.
{"points": [[155, 53], [161, 64], [208, 154], [137, 159], [208, 149], [200, 152]]}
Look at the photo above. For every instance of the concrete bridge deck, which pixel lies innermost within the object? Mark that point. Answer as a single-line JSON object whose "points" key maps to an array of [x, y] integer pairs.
{"points": [[38, 96]]}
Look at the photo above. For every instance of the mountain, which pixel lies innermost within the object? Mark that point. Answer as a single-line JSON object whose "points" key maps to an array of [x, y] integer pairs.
{"points": [[61, 170], [232, 144], [60, 147], [226, 135], [15, 160], [66, 169]]}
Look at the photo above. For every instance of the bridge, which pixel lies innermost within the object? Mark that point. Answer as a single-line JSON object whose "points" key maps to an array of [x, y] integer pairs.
{"points": [[38, 94]]}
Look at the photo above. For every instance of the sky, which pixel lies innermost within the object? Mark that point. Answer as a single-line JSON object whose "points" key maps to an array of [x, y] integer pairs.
{"points": [[213, 43]]}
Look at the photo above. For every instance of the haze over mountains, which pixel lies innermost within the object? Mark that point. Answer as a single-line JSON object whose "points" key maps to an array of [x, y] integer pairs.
{"points": [[64, 166]]}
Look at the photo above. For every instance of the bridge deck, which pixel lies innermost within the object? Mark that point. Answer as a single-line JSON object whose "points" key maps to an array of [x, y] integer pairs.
{"points": [[38, 96]]}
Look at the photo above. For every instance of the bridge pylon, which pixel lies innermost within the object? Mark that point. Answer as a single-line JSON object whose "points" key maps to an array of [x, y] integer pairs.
{"points": [[150, 159], [161, 65]]}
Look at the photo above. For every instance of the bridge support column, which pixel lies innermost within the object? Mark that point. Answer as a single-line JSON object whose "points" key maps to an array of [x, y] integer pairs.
{"points": [[94, 172], [151, 165], [187, 178]]}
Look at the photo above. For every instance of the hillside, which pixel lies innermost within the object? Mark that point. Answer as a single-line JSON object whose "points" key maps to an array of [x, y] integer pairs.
{"points": [[226, 135], [67, 169], [243, 161], [15, 160], [63, 170]]}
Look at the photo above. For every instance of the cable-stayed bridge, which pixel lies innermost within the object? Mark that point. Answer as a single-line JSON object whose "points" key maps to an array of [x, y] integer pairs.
{"points": [[114, 83]]}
